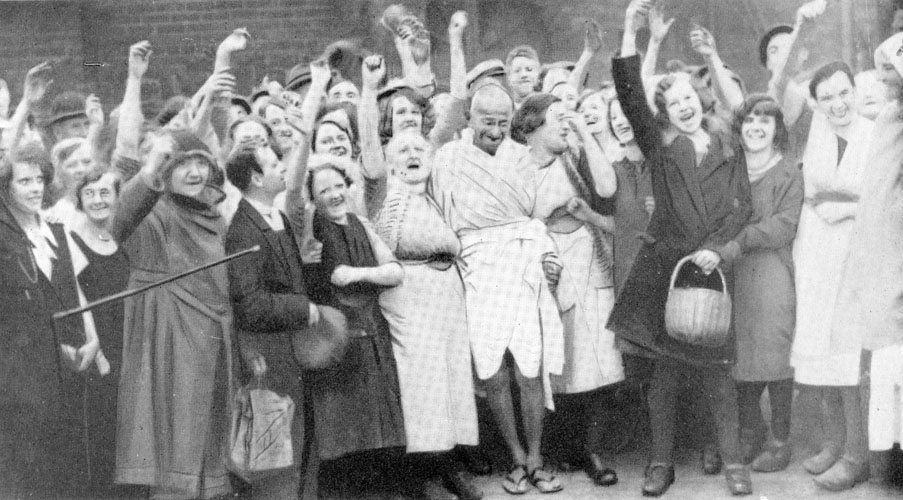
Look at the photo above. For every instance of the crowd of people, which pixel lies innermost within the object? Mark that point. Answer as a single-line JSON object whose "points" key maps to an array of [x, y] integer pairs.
{"points": [[508, 245]]}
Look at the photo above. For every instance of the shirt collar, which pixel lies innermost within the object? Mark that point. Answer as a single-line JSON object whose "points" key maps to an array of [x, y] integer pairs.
{"points": [[269, 213]]}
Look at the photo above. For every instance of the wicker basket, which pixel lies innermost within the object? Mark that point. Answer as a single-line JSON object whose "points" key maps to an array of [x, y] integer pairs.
{"points": [[698, 316]]}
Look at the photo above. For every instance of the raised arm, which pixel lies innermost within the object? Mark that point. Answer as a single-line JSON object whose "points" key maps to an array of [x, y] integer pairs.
{"points": [[128, 132], [629, 85], [4, 99], [452, 119], [792, 101], [36, 82], [606, 182], [296, 198], [726, 88], [372, 160], [141, 192], [210, 104], [658, 30], [210, 100], [237, 41], [592, 44], [320, 75], [634, 18], [94, 112], [412, 42]]}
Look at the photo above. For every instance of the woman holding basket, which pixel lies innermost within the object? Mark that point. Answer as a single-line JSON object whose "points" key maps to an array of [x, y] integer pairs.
{"points": [[702, 201]]}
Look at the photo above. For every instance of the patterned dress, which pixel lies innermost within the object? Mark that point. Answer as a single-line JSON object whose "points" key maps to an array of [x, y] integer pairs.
{"points": [[428, 323], [585, 292]]}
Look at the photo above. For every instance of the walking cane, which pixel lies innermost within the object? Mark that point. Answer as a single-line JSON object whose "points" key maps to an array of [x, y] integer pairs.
{"points": [[124, 295], [129, 293]]}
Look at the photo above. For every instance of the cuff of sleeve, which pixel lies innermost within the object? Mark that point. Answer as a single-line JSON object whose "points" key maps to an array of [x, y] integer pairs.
{"points": [[151, 181], [730, 251], [314, 314]]}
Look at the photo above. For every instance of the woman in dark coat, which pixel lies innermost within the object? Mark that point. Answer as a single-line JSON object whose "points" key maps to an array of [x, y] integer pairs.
{"points": [[702, 200], [357, 404], [41, 442], [176, 364]]}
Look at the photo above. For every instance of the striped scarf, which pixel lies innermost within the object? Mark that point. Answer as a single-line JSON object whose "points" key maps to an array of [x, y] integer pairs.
{"points": [[602, 241]]}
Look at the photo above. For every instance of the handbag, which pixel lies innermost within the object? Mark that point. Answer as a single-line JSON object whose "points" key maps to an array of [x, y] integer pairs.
{"points": [[260, 439], [698, 316]]}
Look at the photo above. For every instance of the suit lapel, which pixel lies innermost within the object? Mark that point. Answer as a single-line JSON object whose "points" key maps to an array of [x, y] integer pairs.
{"points": [[261, 225]]}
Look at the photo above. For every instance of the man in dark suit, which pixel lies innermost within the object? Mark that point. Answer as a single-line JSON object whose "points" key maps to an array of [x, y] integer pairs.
{"points": [[270, 302]]}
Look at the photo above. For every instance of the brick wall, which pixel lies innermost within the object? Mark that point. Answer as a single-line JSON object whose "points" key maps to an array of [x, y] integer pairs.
{"points": [[90, 39]]}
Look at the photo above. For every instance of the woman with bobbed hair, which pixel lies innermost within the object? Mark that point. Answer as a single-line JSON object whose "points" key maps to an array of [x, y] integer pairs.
{"points": [[403, 108], [102, 269], [570, 200], [356, 403], [71, 159], [397, 107], [764, 292], [40, 407], [702, 201], [344, 116]]}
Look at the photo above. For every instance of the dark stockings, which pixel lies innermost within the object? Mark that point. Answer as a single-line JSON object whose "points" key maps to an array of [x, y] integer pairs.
{"points": [[780, 395]]}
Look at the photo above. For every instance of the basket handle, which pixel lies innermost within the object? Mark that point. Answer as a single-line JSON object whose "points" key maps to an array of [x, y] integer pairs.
{"points": [[680, 264]]}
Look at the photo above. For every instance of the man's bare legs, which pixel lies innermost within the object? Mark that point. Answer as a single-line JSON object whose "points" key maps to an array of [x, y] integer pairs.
{"points": [[532, 407], [498, 395], [498, 389]]}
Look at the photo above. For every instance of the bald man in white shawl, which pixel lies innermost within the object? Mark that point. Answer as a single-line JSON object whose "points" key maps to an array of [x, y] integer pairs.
{"points": [[509, 263]]}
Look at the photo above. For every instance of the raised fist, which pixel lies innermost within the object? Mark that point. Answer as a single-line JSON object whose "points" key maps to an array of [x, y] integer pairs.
{"points": [[373, 70], [457, 24], [139, 58], [236, 41]]}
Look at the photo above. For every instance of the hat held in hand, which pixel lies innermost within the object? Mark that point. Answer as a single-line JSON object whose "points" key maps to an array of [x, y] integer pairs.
{"points": [[395, 18], [322, 345]]}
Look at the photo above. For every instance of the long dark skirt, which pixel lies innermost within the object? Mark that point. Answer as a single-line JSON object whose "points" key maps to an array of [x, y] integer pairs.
{"points": [[638, 318], [357, 405]]}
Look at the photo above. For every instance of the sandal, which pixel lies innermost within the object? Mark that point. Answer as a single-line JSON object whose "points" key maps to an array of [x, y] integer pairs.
{"points": [[545, 481], [517, 482]]}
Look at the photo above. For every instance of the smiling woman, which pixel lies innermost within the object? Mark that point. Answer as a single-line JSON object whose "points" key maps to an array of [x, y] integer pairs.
{"points": [[403, 109], [40, 407], [177, 338], [102, 269], [764, 293], [356, 403], [702, 201]]}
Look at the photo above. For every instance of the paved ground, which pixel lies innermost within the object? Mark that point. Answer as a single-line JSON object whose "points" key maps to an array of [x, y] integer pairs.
{"points": [[791, 484]]}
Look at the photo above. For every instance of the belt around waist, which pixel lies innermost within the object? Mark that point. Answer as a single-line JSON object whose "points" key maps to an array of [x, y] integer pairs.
{"points": [[440, 262]]}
